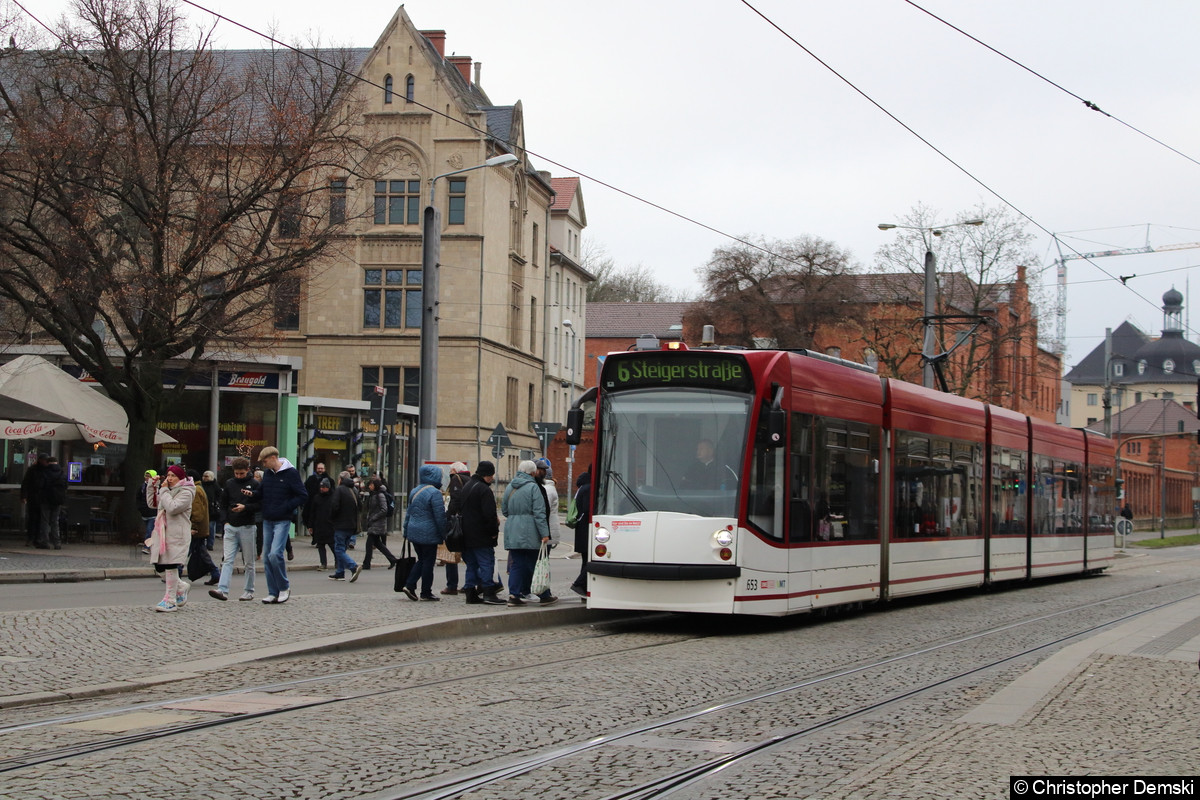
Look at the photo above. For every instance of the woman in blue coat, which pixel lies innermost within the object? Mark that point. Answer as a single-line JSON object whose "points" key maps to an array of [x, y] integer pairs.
{"points": [[425, 526]]}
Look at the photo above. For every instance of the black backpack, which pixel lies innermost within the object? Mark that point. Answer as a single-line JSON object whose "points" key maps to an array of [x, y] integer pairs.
{"points": [[391, 503]]}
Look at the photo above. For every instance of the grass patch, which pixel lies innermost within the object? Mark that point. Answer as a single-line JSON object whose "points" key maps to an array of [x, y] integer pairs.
{"points": [[1170, 541]]}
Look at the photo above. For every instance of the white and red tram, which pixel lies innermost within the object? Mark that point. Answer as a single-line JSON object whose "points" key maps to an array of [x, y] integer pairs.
{"points": [[771, 482]]}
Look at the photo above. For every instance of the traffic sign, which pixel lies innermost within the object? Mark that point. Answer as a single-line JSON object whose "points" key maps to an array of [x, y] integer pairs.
{"points": [[546, 432], [1124, 527]]}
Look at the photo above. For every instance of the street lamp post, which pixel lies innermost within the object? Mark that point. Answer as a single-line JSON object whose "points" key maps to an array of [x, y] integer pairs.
{"points": [[571, 455], [929, 345], [431, 245]]}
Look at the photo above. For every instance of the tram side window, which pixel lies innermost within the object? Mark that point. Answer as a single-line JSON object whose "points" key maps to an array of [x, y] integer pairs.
{"points": [[1008, 492], [1102, 500], [938, 486], [800, 488], [1058, 497], [766, 482]]}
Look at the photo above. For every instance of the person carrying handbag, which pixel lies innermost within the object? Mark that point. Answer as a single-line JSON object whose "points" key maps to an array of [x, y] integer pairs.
{"points": [[526, 529], [425, 526]]}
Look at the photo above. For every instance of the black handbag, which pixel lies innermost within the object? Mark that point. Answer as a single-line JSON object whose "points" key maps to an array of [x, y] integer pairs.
{"points": [[455, 537], [404, 565]]}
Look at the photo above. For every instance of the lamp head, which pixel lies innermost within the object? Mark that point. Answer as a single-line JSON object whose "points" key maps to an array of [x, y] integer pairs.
{"points": [[567, 323], [886, 226], [502, 160]]}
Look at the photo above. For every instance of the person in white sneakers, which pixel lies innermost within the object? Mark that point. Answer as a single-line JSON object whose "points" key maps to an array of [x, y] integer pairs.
{"points": [[172, 535]]}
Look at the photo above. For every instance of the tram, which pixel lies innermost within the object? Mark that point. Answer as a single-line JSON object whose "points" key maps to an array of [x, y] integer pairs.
{"points": [[782, 482]]}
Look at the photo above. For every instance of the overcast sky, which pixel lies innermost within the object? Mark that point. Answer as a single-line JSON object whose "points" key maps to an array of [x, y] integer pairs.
{"points": [[700, 106]]}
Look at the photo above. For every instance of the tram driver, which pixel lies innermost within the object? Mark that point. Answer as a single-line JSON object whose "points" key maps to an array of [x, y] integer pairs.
{"points": [[704, 471]]}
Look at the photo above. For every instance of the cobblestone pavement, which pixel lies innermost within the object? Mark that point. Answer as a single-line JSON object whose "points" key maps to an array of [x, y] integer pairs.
{"points": [[1115, 704]]}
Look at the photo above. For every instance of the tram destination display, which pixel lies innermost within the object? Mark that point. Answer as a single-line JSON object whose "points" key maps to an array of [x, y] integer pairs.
{"points": [[725, 371]]}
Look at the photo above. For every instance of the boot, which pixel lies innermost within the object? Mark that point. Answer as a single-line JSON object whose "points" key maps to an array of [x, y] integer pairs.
{"points": [[473, 597], [491, 599]]}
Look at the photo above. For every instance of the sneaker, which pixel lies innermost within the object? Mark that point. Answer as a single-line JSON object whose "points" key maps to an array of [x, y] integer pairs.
{"points": [[181, 594], [410, 594], [431, 597], [218, 594], [212, 581], [247, 596], [145, 550], [286, 593], [269, 599], [354, 575], [165, 605], [491, 600], [531, 599], [548, 600], [449, 590], [336, 577], [513, 600]]}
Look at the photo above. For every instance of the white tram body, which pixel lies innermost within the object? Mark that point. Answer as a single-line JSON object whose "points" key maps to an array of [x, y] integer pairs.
{"points": [[773, 483]]}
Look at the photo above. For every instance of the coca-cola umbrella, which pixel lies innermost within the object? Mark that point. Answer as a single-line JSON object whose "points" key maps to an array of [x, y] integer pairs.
{"points": [[34, 381]]}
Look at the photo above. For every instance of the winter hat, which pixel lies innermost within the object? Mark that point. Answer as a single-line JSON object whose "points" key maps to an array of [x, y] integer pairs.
{"points": [[152, 473], [326, 483], [485, 469], [177, 471]]}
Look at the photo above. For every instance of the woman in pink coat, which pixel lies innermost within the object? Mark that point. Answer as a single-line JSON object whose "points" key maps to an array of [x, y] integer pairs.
{"points": [[172, 534]]}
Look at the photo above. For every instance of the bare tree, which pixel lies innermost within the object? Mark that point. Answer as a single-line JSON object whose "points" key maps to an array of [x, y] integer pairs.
{"points": [[628, 285], [778, 294], [979, 271], [161, 198]]}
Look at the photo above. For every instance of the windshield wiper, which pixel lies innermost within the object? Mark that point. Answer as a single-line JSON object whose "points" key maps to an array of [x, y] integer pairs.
{"points": [[619, 481]]}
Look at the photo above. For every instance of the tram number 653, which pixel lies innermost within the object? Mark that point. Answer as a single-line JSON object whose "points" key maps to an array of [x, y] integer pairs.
{"points": [[752, 584]]}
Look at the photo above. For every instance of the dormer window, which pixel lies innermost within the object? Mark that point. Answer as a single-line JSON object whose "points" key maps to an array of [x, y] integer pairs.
{"points": [[1168, 366], [1142, 367], [1118, 369]]}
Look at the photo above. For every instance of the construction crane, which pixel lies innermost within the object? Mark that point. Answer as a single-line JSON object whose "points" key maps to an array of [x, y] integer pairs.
{"points": [[1060, 263]]}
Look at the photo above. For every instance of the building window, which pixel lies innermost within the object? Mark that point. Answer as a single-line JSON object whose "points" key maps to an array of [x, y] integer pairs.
{"points": [[510, 403], [458, 202], [533, 325], [1142, 367], [287, 302], [1168, 366], [397, 202], [1092, 399], [534, 255], [514, 316], [391, 298], [409, 88], [387, 89], [337, 201], [1118, 369], [403, 384], [1168, 395], [289, 216], [533, 419]]}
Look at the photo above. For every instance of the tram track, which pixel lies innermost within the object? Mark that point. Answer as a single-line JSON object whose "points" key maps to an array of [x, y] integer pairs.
{"points": [[489, 776]]}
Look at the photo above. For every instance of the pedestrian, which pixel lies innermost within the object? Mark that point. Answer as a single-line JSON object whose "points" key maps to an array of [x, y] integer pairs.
{"points": [[282, 494], [526, 529], [476, 505], [425, 526], [52, 495], [343, 514], [212, 490], [1127, 511], [377, 519], [544, 475], [583, 523], [148, 512], [30, 484], [459, 475], [172, 535], [199, 561], [312, 485], [318, 522]]}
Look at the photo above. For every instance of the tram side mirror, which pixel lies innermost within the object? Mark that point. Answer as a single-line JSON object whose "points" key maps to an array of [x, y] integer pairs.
{"points": [[776, 427], [574, 425]]}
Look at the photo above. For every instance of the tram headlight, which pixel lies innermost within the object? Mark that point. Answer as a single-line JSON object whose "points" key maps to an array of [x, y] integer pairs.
{"points": [[723, 538], [602, 535]]}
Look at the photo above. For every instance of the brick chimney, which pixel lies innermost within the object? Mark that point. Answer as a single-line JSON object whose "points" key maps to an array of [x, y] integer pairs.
{"points": [[464, 66], [438, 40]]}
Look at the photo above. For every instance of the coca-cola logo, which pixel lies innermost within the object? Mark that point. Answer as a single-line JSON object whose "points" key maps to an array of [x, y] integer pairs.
{"points": [[249, 380], [106, 435], [27, 430]]}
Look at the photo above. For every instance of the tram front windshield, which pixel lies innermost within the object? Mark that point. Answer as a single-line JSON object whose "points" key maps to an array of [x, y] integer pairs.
{"points": [[671, 450]]}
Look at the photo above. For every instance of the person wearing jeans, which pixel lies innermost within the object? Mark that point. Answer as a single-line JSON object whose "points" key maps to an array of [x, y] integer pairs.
{"points": [[425, 525], [343, 514], [481, 527], [239, 502], [282, 494]]}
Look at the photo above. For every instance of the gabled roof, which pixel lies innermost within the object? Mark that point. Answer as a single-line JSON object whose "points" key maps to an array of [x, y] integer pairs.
{"points": [[1152, 416], [631, 320], [564, 192]]}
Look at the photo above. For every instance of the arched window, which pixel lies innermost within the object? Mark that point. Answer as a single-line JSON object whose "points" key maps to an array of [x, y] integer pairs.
{"points": [[387, 89], [409, 86], [1168, 366]]}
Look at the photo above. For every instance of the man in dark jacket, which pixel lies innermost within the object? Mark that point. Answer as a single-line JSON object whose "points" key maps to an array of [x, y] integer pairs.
{"points": [[583, 523], [282, 494], [30, 486], [239, 502], [312, 485], [52, 495], [481, 530], [343, 511]]}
